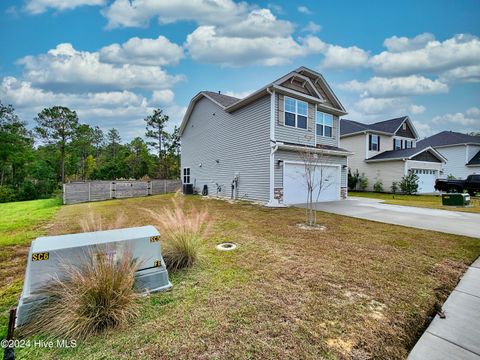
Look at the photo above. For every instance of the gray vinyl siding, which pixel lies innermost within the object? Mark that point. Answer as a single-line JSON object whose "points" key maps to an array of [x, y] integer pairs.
{"points": [[293, 135], [287, 155], [240, 143]]}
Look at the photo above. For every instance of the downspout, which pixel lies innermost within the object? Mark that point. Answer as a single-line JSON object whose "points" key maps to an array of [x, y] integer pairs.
{"points": [[273, 149]]}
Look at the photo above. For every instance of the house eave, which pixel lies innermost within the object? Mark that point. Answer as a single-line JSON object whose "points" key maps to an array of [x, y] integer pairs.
{"points": [[299, 148]]}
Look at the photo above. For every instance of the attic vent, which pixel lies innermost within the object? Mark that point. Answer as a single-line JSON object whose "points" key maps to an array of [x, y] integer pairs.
{"points": [[404, 126]]}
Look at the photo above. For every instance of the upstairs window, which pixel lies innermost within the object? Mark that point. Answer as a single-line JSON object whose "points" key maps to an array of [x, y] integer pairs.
{"points": [[324, 124], [186, 175], [397, 144], [296, 113], [373, 142], [408, 144]]}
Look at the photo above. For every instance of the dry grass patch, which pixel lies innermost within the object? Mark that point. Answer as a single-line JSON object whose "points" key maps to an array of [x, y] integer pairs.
{"points": [[356, 291]]}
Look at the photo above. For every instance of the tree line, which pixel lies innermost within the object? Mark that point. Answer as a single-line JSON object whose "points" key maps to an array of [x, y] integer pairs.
{"points": [[35, 163]]}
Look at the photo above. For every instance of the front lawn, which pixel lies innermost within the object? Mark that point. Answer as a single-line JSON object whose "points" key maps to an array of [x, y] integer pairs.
{"points": [[20, 223], [427, 201], [360, 289]]}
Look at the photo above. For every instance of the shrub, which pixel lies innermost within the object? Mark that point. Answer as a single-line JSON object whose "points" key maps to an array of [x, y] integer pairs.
{"points": [[27, 191], [184, 233], [378, 186], [94, 296], [409, 184], [353, 179], [363, 182], [7, 194], [394, 187]]}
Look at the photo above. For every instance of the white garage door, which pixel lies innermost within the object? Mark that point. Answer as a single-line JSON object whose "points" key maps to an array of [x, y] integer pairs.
{"points": [[295, 184], [426, 180]]}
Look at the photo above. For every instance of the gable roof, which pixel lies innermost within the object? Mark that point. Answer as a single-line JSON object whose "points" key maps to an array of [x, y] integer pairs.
{"points": [[388, 127], [405, 154], [310, 78], [448, 138], [223, 100], [475, 160]]}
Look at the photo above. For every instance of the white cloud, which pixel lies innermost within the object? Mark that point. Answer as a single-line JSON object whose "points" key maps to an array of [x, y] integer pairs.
{"points": [[312, 27], [67, 69], [435, 56], [206, 45], [154, 52], [123, 13], [417, 109], [397, 86], [123, 110], [401, 44], [468, 121], [162, 97], [40, 6], [337, 57], [258, 23], [304, 10], [467, 74], [239, 94]]}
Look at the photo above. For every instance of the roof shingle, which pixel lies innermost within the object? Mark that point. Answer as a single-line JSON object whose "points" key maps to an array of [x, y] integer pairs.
{"points": [[387, 126], [448, 138], [224, 100]]}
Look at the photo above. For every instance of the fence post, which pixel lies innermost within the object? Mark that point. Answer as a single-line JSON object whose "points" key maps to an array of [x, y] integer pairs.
{"points": [[164, 186], [89, 192], [64, 194]]}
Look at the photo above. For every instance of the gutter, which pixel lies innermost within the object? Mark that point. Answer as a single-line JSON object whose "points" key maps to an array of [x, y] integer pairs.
{"points": [[315, 150]]}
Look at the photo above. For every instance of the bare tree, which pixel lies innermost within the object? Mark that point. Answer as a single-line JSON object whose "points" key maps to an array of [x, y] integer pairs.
{"points": [[317, 177]]}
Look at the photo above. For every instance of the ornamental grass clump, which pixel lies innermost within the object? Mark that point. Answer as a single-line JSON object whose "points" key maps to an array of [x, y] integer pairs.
{"points": [[184, 231], [94, 222], [90, 298]]}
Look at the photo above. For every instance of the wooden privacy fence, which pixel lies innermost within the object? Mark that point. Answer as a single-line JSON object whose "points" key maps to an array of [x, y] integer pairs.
{"points": [[78, 192]]}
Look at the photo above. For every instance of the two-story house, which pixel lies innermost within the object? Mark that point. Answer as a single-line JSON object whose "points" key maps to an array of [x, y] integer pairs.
{"points": [[462, 152], [251, 148], [385, 151]]}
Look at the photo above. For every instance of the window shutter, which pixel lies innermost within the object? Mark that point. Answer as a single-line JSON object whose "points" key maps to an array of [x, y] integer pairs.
{"points": [[378, 146], [369, 141]]}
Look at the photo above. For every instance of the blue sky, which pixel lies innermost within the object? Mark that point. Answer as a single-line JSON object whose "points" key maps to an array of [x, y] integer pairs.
{"points": [[114, 61]]}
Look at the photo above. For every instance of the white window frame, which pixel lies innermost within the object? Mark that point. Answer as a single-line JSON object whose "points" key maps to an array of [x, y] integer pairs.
{"points": [[399, 141], [296, 113], [186, 176], [322, 123], [377, 137], [408, 144]]}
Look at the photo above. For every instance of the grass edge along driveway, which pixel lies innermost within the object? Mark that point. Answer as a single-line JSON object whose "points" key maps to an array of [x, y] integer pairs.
{"points": [[426, 201]]}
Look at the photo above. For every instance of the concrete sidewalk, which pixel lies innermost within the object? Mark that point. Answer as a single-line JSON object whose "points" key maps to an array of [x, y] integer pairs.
{"points": [[458, 335]]}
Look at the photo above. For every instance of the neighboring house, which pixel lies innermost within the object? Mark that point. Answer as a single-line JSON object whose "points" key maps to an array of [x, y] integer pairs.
{"points": [[461, 151], [386, 151], [249, 148]]}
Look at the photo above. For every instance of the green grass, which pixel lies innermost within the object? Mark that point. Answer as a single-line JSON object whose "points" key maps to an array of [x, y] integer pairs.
{"points": [[20, 223], [427, 201], [360, 289]]}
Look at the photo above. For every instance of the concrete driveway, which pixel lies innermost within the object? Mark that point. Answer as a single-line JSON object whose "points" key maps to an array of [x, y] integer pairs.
{"points": [[452, 222]]}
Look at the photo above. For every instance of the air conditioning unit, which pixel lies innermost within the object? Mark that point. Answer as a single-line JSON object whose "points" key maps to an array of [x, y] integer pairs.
{"points": [[50, 255]]}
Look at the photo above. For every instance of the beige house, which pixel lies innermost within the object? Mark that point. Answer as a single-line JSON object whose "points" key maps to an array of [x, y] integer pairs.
{"points": [[386, 151]]}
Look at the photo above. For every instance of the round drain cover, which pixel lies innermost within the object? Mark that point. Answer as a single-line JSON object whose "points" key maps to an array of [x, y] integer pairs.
{"points": [[226, 246]]}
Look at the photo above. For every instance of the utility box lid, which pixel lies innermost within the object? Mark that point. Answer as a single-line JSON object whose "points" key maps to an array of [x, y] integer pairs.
{"points": [[455, 199]]}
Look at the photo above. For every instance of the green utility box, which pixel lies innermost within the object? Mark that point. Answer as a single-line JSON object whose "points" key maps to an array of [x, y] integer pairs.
{"points": [[455, 199]]}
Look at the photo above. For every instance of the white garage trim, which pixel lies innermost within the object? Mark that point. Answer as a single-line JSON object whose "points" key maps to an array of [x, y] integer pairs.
{"points": [[338, 179]]}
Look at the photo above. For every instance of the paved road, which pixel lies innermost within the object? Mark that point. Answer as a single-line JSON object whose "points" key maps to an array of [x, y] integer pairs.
{"points": [[453, 222], [457, 336]]}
